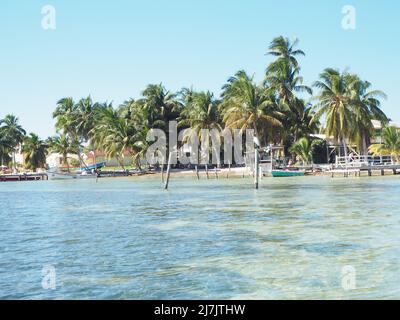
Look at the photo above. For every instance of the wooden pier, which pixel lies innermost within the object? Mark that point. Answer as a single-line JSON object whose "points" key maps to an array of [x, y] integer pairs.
{"points": [[23, 177], [364, 165]]}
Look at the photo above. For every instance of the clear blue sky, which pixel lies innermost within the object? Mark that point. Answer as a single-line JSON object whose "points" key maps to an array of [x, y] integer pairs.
{"points": [[113, 49]]}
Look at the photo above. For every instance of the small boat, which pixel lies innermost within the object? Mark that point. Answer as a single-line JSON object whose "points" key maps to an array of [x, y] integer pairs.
{"points": [[287, 173], [59, 175], [93, 167]]}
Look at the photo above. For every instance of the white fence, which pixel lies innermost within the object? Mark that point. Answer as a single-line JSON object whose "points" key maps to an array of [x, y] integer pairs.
{"points": [[361, 161]]}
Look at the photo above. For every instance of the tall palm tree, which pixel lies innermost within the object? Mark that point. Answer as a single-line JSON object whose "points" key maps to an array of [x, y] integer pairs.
{"points": [[65, 115], [5, 148], [366, 108], [334, 103], [390, 143], [160, 106], [283, 73], [35, 151], [14, 132], [201, 112], [285, 50], [63, 145], [248, 106], [283, 77]]}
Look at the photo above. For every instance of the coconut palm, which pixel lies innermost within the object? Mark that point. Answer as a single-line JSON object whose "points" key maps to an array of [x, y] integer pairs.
{"points": [[118, 139], [303, 149], [283, 73], [5, 148], [35, 151], [390, 143], [13, 132], [201, 112], [63, 145], [285, 50], [248, 106], [160, 106], [366, 108], [334, 103], [65, 115]]}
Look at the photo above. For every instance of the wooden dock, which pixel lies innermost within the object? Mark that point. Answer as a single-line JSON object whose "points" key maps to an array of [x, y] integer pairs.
{"points": [[23, 177], [369, 171]]}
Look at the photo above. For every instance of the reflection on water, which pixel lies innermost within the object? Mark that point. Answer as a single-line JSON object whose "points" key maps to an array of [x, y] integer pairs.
{"points": [[217, 239]]}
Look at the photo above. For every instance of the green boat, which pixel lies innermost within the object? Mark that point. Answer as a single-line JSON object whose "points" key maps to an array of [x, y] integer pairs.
{"points": [[287, 173]]}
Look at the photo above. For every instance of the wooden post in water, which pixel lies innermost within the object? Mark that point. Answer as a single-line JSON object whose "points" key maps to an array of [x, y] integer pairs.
{"points": [[256, 168], [216, 172], [197, 172], [168, 170], [207, 171], [162, 172]]}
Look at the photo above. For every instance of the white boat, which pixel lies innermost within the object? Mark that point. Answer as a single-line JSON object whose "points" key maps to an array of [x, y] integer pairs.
{"points": [[59, 175]]}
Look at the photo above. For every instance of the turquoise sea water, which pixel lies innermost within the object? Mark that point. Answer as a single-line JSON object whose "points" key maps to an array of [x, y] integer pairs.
{"points": [[126, 238]]}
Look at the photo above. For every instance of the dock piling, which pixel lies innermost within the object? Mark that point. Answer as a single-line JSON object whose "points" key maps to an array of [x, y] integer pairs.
{"points": [[168, 171]]}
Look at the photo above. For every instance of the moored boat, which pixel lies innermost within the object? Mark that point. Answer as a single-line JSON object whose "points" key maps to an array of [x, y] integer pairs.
{"points": [[59, 175], [287, 173]]}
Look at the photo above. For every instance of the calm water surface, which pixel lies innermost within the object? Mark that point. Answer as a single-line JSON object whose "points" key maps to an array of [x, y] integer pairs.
{"points": [[216, 239]]}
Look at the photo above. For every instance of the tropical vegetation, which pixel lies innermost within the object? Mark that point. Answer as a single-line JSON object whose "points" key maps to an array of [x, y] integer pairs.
{"points": [[281, 110]]}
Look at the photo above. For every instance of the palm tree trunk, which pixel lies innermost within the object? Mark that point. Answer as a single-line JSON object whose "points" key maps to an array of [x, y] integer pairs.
{"points": [[256, 131], [345, 149], [14, 162]]}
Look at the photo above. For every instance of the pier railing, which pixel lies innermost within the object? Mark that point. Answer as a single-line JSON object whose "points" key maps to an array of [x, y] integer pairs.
{"points": [[361, 161]]}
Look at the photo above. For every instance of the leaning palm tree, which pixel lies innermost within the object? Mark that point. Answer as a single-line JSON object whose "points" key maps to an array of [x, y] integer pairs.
{"points": [[14, 133], [390, 144], [35, 151], [248, 106], [303, 149]]}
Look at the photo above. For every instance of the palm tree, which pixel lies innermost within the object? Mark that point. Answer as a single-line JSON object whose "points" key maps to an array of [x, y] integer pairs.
{"points": [[13, 132], [160, 106], [284, 50], [283, 73], [334, 103], [35, 151], [63, 145], [283, 78], [5, 148], [390, 143], [366, 108], [201, 112], [303, 149], [65, 115], [247, 105]]}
